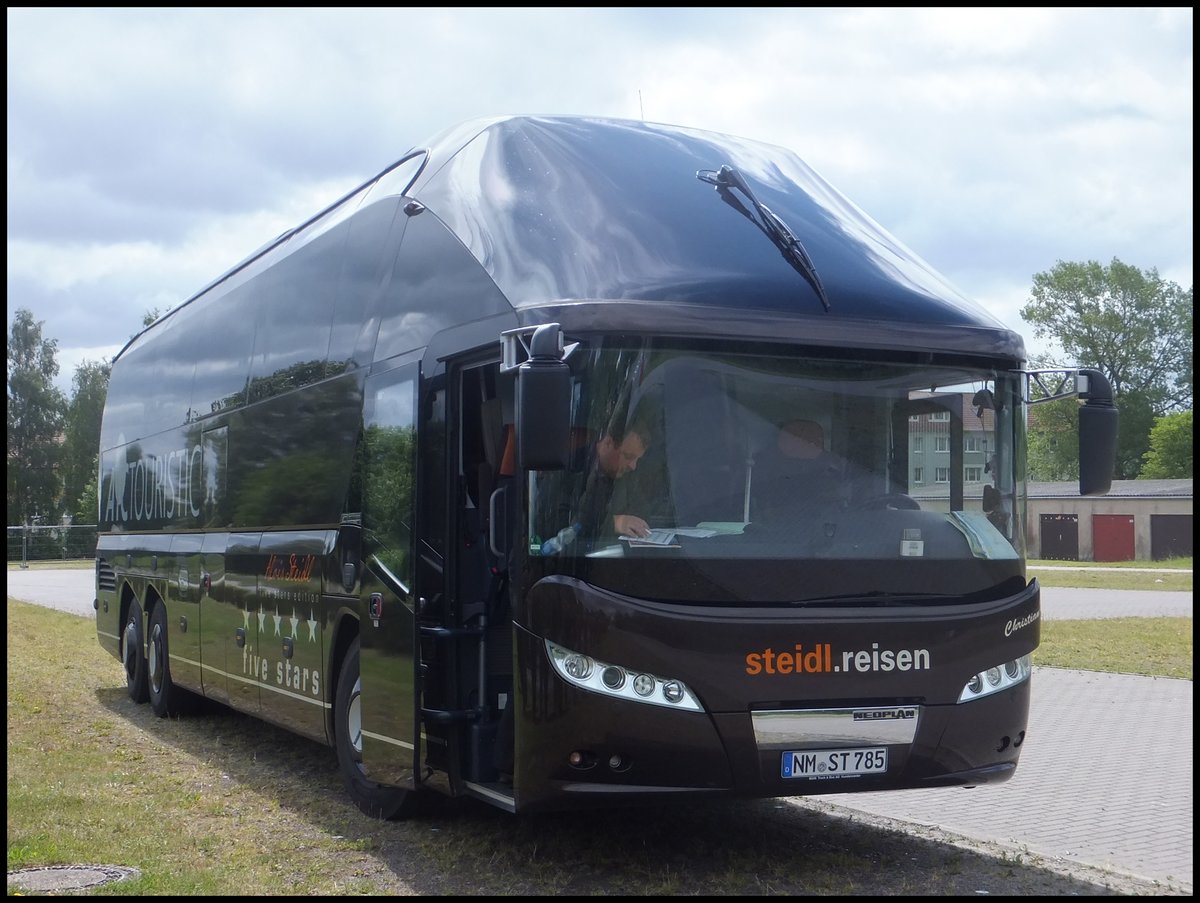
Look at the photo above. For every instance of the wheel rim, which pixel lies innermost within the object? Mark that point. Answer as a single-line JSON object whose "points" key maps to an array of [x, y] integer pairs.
{"points": [[131, 644], [354, 720], [157, 659]]}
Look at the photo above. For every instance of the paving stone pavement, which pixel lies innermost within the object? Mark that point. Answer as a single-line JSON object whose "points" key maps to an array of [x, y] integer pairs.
{"points": [[1104, 781]]}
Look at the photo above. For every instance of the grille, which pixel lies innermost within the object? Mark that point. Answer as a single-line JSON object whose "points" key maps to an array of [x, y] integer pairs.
{"points": [[106, 577]]}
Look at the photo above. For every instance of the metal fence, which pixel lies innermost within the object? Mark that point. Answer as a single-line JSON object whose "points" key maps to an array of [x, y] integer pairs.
{"points": [[51, 543]]}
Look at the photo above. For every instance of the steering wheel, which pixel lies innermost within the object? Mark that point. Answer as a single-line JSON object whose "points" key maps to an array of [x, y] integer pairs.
{"points": [[893, 500]]}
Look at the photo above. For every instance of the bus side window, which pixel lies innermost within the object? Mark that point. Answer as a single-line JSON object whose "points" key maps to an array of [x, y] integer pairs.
{"points": [[389, 490]]}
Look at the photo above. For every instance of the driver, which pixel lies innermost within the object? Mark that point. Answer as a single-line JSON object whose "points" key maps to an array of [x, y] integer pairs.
{"points": [[795, 474]]}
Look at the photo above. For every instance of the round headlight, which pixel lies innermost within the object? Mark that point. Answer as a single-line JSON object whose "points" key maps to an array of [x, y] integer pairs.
{"points": [[975, 684], [578, 666], [993, 676], [643, 685], [673, 691], [1012, 669]]}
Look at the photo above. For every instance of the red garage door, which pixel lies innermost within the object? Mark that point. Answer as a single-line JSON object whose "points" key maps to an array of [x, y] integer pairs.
{"points": [[1112, 537]]}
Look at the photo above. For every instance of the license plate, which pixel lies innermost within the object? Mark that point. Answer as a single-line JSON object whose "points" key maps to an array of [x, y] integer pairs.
{"points": [[834, 763]]}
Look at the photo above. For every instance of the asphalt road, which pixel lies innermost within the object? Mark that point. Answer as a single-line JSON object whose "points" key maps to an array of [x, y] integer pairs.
{"points": [[1103, 790]]}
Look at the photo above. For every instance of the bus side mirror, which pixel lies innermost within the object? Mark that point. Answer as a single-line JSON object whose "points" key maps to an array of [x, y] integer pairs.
{"points": [[1098, 426], [543, 415]]}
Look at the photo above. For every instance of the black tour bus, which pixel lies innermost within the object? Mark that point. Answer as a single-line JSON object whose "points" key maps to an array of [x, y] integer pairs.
{"points": [[339, 484]]}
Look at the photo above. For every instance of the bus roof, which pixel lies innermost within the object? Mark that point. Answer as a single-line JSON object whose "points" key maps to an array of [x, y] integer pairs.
{"points": [[568, 214], [570, 208]]}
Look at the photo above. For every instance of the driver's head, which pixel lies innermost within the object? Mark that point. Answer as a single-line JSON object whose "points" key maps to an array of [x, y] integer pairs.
{"points": [[801, 439], [618, 457]]}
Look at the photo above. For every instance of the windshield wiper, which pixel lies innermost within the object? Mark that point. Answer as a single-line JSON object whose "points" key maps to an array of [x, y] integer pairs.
{"points": [[726, 179], [878, 598]]}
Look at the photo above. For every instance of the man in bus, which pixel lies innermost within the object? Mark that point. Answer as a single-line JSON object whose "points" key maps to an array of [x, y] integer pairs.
{"points": [[796, 474], [583, 503]]}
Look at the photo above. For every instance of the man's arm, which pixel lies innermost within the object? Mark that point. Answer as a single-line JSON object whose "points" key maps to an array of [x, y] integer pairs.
{"points": [[630, 525]]}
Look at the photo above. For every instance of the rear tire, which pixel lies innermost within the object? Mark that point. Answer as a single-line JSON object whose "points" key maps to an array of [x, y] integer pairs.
{"points": [[133, 654], [165, 697], [375, 800]]}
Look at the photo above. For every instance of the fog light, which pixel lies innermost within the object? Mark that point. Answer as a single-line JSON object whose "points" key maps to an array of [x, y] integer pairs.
{"points": [[615, 762]]}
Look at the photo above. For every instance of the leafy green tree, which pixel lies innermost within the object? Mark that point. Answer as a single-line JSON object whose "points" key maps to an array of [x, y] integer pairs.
{"points": [[35, 418], [81, 438], [1170, 455], [1133, 326], [1054, 441], [88, 507]]}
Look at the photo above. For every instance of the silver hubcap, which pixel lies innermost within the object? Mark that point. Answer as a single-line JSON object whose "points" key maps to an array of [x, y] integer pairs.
{"points": [[156, 658], [354, 719], [130, 646]]}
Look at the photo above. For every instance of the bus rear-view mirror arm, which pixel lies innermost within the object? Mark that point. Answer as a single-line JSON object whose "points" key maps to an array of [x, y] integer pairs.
{"points": [[1098, 420]]}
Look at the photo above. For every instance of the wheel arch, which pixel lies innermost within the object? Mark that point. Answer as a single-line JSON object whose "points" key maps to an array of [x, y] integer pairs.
{"points": [[153, 597]]}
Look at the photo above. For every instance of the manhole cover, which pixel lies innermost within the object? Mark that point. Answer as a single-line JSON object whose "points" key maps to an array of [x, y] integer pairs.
{"points": [[51, 878]]}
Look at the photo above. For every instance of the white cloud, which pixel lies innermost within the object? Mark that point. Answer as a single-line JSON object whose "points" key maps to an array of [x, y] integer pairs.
{"points": [[151, 149]]}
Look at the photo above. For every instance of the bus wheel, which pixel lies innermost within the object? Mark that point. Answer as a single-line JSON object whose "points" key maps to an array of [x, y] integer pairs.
{"points": [[133, 654], [165, 697], [376, 800]]}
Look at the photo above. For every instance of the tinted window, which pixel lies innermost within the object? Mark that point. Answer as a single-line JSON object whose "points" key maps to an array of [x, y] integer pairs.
{"points": [[390, 482]]}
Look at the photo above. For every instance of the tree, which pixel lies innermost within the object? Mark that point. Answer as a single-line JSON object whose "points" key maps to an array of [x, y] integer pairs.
{"points": [[82, 431], [35, 417], [87, 509], [1054, 441], [1170, 455], [1131, 325]]}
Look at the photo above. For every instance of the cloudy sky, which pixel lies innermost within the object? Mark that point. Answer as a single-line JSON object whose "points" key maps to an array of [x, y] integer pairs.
{"points": [[151, 149]]}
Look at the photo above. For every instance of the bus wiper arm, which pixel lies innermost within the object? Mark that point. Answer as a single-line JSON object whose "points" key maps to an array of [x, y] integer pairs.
{"points": [[727, 179], [874, 598]]}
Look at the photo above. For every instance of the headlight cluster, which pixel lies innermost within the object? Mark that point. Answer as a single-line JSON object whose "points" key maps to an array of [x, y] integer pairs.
{"points": [[613, 680], [997, 678]]}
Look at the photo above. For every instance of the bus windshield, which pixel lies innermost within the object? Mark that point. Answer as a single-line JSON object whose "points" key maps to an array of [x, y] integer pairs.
{"points": [[770, 478]]}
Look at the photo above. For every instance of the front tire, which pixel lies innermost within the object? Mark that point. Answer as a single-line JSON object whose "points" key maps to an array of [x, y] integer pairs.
{"points": [[133, 655], [375, 800]]}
